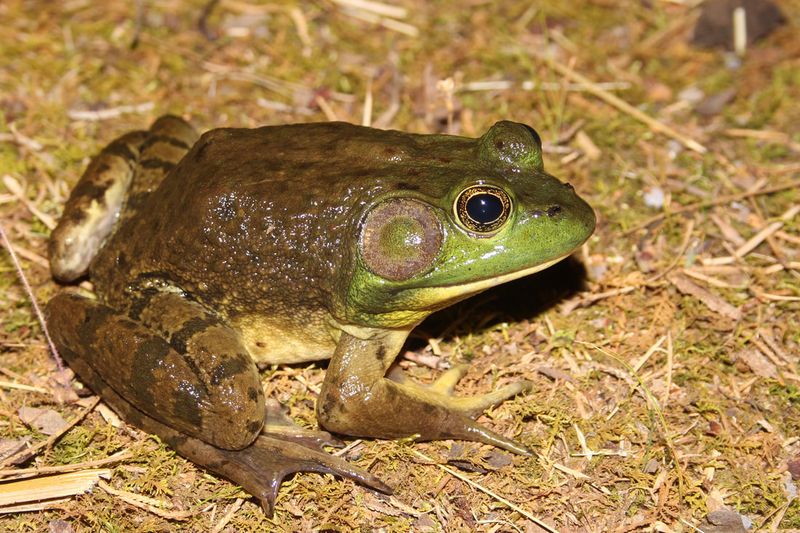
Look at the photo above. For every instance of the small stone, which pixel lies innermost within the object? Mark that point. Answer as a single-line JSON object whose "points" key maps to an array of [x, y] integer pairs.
{"points": [[714, 104], [715, 26], [794, 467], [723, 521], [654, 197], [60, 526], [692, 95]]}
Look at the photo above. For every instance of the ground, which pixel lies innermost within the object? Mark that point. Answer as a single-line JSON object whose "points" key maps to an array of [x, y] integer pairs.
{"points": [[665, 352]]}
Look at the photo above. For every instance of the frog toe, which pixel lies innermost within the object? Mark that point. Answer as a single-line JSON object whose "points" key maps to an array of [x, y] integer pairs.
{"points": [[465, 408], [475, 405], [447, 381], [475, 432], [278, 425]]}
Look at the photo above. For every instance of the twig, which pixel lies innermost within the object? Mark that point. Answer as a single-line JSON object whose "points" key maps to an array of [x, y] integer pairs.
{"points": [[111, 112], [157, 507], [202, 21], [388, 23], [21, 473], [764, 135], [668, 380], [483, 489], [20, 386], [687, 236], [649, 353], [15, 188], [20, 139], [759, 237], [347, 448], [48, 487], [753, 242], [326, 108], [622, 105], [366, 115], [301, 25], [37, 310], [711, 203], [377, 8], [532, 85], [228, 515]]}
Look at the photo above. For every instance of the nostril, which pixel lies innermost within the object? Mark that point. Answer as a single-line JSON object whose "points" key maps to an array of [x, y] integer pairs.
{"points": [[553, 210]]}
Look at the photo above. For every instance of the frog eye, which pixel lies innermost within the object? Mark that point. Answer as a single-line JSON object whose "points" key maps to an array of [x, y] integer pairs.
{"points": [[400, 238], [482, 208]]}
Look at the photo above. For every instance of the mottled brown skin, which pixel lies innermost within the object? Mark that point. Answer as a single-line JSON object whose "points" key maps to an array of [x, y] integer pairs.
{"points": [[288, 244]]}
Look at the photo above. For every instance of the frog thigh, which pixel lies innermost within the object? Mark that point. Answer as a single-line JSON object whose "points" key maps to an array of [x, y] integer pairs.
{"points": [[187, 370], [93, 206], [111, 189], [258, 468], [133, 369], [168, 140]]}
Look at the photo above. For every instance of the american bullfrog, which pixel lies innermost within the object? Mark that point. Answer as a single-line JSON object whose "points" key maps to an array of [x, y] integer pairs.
{"points": [[286, 244]]}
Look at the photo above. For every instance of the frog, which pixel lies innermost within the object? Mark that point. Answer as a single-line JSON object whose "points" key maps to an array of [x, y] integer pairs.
{"points": [[213, 256]]}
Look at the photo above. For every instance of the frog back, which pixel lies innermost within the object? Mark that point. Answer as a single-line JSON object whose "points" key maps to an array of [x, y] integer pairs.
{"points": [[263, 220]]}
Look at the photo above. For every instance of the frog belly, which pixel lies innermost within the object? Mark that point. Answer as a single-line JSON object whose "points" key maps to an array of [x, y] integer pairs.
{"points": [[276, 342]]}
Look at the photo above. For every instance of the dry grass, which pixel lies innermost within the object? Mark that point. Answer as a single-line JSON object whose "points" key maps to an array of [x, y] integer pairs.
{"points": [[666, 390]]}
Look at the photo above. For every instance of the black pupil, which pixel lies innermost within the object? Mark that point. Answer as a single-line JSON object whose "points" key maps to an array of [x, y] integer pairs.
{"points": [[484, 208]]}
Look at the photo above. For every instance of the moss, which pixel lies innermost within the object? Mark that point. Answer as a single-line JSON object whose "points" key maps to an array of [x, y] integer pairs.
{"points": [[74, 57]]}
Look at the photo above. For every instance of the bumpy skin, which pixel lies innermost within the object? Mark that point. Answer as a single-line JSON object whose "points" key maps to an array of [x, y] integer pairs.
{"points": [[288, 244]]}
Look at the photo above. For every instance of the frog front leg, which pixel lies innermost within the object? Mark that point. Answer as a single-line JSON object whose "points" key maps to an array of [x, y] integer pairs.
{"points": [[176, 370], [358, 399]]}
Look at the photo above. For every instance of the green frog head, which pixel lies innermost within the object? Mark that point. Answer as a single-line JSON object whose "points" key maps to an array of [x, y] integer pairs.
{"points": [[470, 215]]}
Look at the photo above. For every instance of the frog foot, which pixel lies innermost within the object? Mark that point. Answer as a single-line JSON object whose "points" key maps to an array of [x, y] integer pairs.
{"points": [[261, 467], [440, 394], [472, 406], [357, 398]]}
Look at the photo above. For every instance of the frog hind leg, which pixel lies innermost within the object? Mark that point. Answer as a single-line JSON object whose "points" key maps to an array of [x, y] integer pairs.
{"points": [[358, 399], [258, 468], [116, 180], [168, 140], [280, 426], [174, 370]]}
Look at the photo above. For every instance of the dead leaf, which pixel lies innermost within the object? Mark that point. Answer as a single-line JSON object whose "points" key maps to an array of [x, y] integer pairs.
{"points": [[498, 459], [46, 421], [9, 447], [758, 364], [711, 300]]}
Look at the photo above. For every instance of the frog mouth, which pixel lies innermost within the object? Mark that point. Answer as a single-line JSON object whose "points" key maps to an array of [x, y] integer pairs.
{"points": [[444, 295]]}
